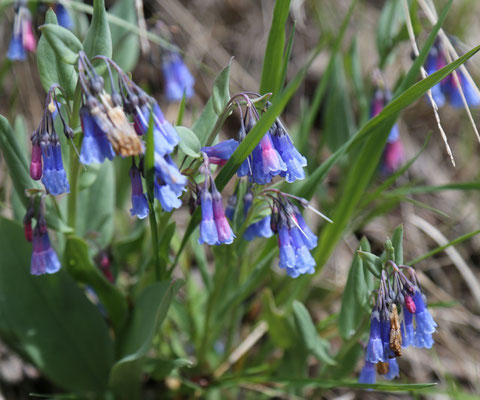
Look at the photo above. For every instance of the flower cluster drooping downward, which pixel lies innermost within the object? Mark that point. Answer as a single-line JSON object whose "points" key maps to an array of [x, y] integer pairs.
{"points": [[275, 155], [448, 89], [399, 319], [23, 39], [108, 131], [44, 258]]}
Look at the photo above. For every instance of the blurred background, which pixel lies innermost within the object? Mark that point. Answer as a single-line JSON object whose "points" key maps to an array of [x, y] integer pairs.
{"points": [[210, 33]]}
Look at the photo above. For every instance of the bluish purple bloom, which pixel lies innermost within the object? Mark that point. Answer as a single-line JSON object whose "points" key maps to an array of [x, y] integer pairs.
{"points": [[393, 370], [208, 229], [304, 260], [287, 252], [63, 16], [169, 183], [178, 79], [139, 201], [368, 374], [54, 177], [44, 259], [16, 51], [95, 146], [448, 89], [165, 136], [260, 228], [425, 325], [408, 332], [375, 345], [294, 161], [221, 152], [309, 238]]}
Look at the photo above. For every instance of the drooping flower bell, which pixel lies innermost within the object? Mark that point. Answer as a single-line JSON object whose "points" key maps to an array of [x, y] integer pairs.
{"points": [[178, 79], [389, 332], [44, 258], [23, 39], [214, 226], [295, 239], [46, 163], [260, 228], [169, 183], [140, 206], [393, 154], [106, 111], [95, 145], [448, 89], [63, 16]]}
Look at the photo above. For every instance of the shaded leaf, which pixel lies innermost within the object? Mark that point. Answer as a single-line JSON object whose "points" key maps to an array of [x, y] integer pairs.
{"points": [[63, 42], [78, 263], [189, 142], [98, 40], [53, 322]]}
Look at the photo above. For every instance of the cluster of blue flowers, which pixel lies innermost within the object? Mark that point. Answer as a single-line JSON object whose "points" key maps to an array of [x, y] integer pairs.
{"points": [[46, 163], [388, 333], [447, 89], [44, 258], [107, 131], [275, 155]]}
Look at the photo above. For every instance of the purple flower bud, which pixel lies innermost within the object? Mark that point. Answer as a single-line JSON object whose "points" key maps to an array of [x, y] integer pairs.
{"points": [[287, 252], [224, 232], [36, 163]]}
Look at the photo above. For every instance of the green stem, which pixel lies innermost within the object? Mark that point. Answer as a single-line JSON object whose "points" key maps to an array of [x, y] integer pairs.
{"points": [[156, 251], [74, 162]]}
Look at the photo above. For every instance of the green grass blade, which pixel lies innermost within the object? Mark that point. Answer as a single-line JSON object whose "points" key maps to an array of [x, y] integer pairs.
{"points": [[272, 63]]}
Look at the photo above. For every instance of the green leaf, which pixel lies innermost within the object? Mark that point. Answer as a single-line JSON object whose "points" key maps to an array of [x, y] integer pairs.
{"points": [[51, 68], [149, 312], [339, 125], [280, 329], [150, 160], [372, 262], [98, 40], [160, 368], [308, 334], [189, 142], [221, 90], [52, 321], [273, 59], [78, 263], [125, 43], [96, 207], [397, 242], [355, 295], [63, 42], [407, 93], [204, 125], [16, 161], [389, 24]]}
